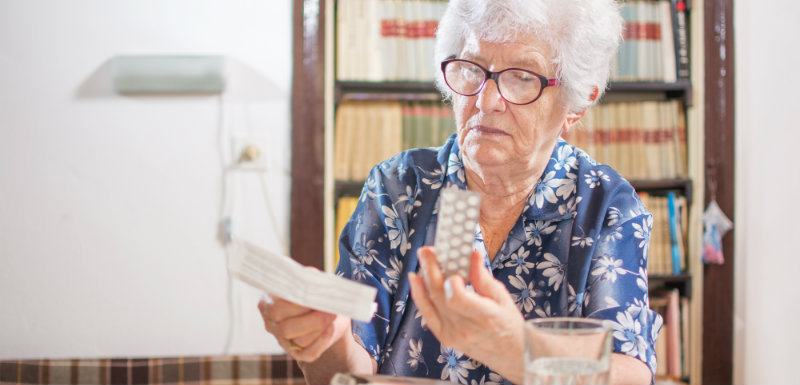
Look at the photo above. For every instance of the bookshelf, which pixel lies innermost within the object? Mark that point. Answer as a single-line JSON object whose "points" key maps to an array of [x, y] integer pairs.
{"points": [[313, 129]]}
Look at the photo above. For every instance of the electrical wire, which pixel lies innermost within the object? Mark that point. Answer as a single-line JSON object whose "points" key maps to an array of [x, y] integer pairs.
{"points": [[271, 214], [227, 163], [224, 229]]}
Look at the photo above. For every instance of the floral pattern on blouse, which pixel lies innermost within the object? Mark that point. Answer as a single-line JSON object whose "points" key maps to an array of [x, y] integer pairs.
{"points": [[578, 249]]}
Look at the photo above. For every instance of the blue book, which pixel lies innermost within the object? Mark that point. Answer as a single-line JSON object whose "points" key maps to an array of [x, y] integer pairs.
{"points": [[673, 234]]}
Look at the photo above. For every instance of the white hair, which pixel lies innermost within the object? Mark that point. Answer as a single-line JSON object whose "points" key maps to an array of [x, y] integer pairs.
{"points": [[583, 35]]}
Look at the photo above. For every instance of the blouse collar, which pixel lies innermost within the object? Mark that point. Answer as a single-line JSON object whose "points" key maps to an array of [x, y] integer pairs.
{"points": [[554, 197]]}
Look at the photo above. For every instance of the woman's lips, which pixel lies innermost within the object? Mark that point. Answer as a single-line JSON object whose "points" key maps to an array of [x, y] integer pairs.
{"points": [[488, 130]]}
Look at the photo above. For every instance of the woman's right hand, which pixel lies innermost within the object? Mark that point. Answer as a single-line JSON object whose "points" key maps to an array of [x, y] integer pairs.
{"points": [[303, 332]]}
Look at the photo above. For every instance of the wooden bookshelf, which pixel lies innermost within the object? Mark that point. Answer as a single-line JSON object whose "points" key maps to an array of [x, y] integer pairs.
{"points": [[315, 95]]}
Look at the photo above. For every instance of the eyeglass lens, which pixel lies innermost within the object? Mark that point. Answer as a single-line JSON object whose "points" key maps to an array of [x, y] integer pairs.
{"points": [[516, 86]]}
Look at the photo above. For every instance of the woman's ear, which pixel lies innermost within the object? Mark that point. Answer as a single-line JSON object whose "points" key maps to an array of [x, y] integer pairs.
{"points": [[574, 117]]}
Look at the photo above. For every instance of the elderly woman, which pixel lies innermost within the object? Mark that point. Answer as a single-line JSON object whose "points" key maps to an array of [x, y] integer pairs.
{"points": [[558, 234]]}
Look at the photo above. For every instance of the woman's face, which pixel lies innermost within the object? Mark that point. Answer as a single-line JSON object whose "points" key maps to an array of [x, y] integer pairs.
{"points": [[493, 132]]}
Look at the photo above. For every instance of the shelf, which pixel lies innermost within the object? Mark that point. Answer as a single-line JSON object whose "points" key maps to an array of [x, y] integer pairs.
{"points": [[353, 188], [386, 87], [681, 86], [682, 89], [391, 90], [398, 90], [682, 185], [347, 188], [682, 282]]}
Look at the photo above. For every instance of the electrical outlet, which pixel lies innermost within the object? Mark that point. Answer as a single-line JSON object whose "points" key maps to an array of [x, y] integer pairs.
{"points": [[249, 152]]}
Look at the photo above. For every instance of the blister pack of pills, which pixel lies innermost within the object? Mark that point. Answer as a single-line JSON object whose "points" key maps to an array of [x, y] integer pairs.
{"points": [[455, 229]]}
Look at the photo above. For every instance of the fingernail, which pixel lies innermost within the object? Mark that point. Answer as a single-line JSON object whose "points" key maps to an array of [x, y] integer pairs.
{"points": [[266, 298], [423, 264], [448, 289]]}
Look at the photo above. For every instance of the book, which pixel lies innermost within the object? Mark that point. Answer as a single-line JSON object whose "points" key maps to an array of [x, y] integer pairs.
{"points": [[343, 139], [652, 143], [659, 304], [370, 131], [668, 47], [678, 114], [686, 337], [360, 140], [672, 325], [674, 232], [624, 65], [661, 255], [641, 140], [681, 37], [345, 207], [380, 40], [371, 56], [649, 51]]}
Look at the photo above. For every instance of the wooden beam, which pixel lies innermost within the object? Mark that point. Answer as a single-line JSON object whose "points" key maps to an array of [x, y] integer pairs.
{"points": [[308, 153], [719, 149]]}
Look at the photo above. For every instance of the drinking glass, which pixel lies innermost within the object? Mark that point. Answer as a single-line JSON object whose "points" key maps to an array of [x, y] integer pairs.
{"points": [[566, 350]]}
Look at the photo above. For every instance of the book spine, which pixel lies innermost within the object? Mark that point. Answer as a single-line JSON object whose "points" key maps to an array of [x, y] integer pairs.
{"points": [[344, 40], [668, 50], [674, 235], [685, 337], [681, 38], [673, 334]]}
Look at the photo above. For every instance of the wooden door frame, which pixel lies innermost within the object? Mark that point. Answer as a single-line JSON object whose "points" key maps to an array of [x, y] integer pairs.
{"points": [[719, 184], [308, 132]]}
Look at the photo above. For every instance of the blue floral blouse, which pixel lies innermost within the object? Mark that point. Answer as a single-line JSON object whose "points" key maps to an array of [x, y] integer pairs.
{"points": [[579, 249]]}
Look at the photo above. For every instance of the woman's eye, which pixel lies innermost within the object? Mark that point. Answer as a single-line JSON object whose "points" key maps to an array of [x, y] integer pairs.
{"points": [[523, 76], [474, 70]]}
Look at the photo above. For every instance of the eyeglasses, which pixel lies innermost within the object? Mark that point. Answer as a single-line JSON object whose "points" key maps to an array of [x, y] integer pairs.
{"points": [[516, 86]]}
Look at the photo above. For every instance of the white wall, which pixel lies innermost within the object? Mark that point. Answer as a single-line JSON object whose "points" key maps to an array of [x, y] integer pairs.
{"points": [[109, 205], [767, 185]]}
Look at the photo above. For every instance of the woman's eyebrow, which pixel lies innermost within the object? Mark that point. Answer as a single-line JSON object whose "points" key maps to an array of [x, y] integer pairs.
{"points": [[470, 56], [535, 62]]}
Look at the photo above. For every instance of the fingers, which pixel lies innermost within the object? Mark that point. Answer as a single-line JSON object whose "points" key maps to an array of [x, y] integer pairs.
{"points": [[483, 281], [303, 326], [436, 297], [316, 347], [419, 294], [332, 334], [278, 309], [439, 290], [296, 328], [465, 303], [431, 272], [451, 295]]}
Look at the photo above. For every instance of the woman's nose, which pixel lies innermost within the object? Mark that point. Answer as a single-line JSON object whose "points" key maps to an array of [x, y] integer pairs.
{"points": [[489, 99]]}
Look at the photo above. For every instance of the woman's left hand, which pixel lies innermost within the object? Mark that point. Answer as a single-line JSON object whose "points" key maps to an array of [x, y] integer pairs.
{"points": [[485, 324]]}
